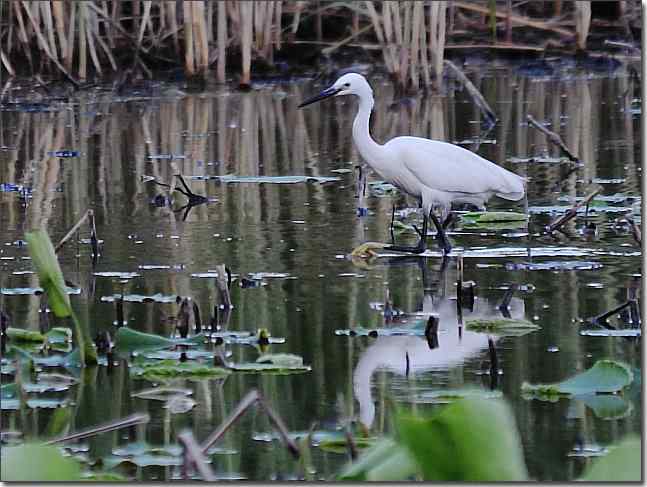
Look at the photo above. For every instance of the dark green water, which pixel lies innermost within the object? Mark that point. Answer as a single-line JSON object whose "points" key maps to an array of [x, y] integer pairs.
{"points": [[304, 232]]}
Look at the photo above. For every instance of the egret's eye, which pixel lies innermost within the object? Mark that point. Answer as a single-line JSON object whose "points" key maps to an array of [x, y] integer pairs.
{"points": [[346, 85]]}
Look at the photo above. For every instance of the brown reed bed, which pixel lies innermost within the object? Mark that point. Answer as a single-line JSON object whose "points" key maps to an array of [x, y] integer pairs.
{"points": [[232, 40]]}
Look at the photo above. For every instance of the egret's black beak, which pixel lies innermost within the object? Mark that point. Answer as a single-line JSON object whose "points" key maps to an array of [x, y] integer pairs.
{"points": [[327, 93]]}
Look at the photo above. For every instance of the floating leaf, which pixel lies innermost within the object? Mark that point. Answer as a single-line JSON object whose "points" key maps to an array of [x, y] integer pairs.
{"points": [[607, 406], [448, 396], [469, 440], [37, 463], [139, 298], [18, 335], [621, 464], [508, 326], [270, 368], [128, 340], [605, 376], [162, 393], [494, 216], [603, 332], [285, 360], [165, 370]]}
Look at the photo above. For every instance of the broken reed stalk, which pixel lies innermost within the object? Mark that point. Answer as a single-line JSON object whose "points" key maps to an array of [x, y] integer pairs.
{"points": [[222, 283], [582, 23], [601, 319], [476, 95], [139, 418], [635, 230], [504, 307], [250, 398], [553, 138], [571, 212], [193, 457], [72, 231]]}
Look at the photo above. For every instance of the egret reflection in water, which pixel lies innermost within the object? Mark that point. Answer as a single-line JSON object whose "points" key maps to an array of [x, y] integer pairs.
{"points": [[407, 355]]}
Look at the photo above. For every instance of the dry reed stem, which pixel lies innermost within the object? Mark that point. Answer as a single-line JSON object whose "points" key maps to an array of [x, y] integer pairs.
{"points": [[222, 42], [582, 23], [189, 61]]}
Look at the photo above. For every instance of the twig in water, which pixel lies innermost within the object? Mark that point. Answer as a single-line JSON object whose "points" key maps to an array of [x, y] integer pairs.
{"points": [[223, 285], [602, 319], [194, 457], [504, 307], [139, 418], [552, 137], [571, 212], [251, 397], [474, 93], [72, 231]]}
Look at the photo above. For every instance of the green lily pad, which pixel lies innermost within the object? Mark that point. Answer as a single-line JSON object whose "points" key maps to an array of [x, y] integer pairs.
{"points": [[621, 464], [55, 335], [128, 340], [288, 360], [605, 376], [269, 368], [494, 216], [607, 406], [504, 326], [448, 396], [165, 370]]}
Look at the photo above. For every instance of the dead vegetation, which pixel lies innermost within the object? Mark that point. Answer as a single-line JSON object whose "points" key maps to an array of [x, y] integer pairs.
{"points": [[95, 39]]}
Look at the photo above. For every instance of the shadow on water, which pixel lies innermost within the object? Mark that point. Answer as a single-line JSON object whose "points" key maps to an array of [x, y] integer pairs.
{"points": [[292, 237]]}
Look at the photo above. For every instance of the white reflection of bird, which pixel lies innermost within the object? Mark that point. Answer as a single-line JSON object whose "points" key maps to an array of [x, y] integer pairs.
{"points": [[405, 355], [436, 173]]}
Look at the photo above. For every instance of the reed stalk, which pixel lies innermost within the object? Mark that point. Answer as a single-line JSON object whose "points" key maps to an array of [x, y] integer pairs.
{"points": [[582, 23]]}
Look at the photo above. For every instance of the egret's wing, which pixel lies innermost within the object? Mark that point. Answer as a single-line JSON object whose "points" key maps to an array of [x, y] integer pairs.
{"points": [[447, 167]]}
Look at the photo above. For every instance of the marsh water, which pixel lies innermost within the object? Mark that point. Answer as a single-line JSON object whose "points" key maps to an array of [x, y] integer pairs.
{"points": [[292, 239]]}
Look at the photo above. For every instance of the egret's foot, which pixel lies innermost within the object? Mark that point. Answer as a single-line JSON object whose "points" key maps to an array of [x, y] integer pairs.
{"points": [[367, 249]]}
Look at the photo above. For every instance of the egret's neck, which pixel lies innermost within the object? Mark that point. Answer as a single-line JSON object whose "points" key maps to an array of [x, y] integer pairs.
{"points": [[368, 148]]}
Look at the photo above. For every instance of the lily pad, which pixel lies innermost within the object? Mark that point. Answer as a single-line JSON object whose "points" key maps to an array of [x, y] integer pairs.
{"points": [[270, 368], [165, 370], [448, 396], [288, 360], [607, 406], [507, 326], [603, 332], [129, 340], [606, 376], [55, 335], [494, 216]]}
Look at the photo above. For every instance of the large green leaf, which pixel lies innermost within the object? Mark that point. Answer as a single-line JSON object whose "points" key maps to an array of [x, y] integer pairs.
{"points": [[621, 464], [604, 376], [37, 463], [469, 440], [51, 280], [49, 272], [384, 461]]}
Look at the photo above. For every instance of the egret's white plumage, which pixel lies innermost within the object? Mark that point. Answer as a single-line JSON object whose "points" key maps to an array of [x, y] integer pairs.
{"points": [[436, 173]]}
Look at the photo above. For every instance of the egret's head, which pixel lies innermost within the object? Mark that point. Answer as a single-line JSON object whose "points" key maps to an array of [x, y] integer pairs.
{"points": [[348, 84]]}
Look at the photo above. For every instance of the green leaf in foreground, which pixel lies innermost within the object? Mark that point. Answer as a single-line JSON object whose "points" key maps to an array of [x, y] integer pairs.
{"points": [[621, 464], [605, 376], [164, 370], [384, 461], [37, 463], [469, 440], [51, 280], [49, 272]]}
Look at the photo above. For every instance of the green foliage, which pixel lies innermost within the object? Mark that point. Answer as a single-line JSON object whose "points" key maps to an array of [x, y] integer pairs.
{"points": [[494, 216], [605, 376], [51, 280], [469, 440], [621, 464], [507, 326], [34, 463], [384, 461]]}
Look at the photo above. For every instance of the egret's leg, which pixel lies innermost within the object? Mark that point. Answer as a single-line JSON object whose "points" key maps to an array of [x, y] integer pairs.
{"points": [[392, 222], [442, 236], [449, 220], [422, 243]]}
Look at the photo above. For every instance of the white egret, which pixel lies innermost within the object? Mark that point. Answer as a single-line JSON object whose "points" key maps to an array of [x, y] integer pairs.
{"points": [[435, 173]]}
